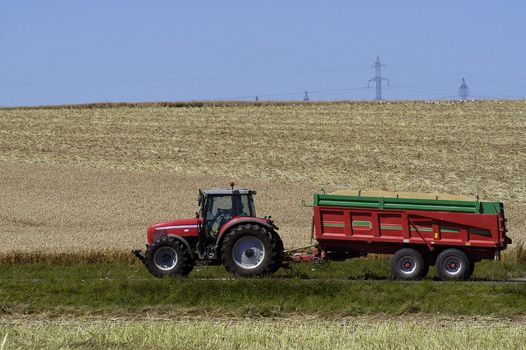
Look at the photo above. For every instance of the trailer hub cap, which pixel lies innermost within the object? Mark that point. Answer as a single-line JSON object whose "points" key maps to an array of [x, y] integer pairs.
{"points": [[165, 258], [248, 252], [453, 265], [407, 265]]}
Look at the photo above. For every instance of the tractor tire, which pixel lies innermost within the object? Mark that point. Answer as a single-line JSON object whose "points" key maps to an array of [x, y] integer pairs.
{"points": [[408, 265], [453, 265], [250, 250], [168, 257], [279, 253]]}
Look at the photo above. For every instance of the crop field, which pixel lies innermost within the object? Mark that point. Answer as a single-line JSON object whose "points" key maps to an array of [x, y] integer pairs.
{"points": [[80, 179], [79, 185]]}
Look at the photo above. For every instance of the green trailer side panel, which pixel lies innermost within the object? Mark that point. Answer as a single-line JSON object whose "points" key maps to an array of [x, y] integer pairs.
{"points": [[407, 204]]}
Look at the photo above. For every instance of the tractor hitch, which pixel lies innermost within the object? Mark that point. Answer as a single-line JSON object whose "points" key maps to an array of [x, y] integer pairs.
{"points": [[139, 255]]}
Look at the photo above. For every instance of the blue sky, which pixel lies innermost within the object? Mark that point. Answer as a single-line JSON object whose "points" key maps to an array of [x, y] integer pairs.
{"points": [[56, 52]]}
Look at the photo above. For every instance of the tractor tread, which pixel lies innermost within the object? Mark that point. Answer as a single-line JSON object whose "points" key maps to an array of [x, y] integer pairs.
{"points": [[183, 268], [273, 247]]}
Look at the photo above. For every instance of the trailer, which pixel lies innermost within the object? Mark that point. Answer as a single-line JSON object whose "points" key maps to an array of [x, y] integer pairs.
{"points": [[451, 233], [419, 230]]}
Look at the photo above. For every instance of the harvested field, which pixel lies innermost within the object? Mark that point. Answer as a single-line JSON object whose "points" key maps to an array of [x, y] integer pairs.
{"points": [[295, 333], [75, 180]]}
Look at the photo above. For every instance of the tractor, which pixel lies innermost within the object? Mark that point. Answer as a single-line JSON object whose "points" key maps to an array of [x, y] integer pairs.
{"points": [[225, 231]]}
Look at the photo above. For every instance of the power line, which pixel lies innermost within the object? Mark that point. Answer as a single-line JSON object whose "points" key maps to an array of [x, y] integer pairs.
{"points": [[419, 88], [378, 79], [142, 81], [290, 93]]}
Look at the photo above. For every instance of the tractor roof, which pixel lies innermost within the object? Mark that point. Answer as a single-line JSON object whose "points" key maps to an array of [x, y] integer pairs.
{"points": [[227, 191]]}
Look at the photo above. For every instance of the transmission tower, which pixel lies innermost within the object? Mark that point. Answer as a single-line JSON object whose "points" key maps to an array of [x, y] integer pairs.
{"points": [[378, 78], [306, 97], [463, 90]]}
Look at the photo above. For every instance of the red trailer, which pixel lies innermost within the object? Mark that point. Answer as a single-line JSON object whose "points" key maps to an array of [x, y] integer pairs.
{"points": [[420, 230]]}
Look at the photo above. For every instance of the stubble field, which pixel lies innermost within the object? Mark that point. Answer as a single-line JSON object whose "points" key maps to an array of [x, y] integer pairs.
{"points": [[295, 333], [79, 186], [90, 179]]}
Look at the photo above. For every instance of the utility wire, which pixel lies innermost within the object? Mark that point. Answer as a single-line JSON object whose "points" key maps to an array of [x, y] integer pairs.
{"points": [[291, 93], [141, 81]]}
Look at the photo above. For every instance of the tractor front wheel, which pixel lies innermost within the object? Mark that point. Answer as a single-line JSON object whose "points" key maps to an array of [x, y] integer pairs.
{"points": [[250, 250], [168, 257]]}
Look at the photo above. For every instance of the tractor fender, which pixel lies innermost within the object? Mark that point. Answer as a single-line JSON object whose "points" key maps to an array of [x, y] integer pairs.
{"points": [[183, 241], [245, 220]]}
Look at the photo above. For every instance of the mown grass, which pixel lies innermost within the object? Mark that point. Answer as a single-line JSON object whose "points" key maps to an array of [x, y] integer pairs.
{"points": [[512, 265], [344, 289], [266, 334]]}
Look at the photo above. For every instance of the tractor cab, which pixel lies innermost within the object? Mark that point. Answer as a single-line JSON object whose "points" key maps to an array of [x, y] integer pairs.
{"points": [[218, 206]]}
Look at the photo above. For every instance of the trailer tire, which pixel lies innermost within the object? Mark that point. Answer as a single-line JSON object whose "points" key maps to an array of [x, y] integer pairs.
{"points": [[250, 250], [168, 257], [453, 265], [407, 264]]}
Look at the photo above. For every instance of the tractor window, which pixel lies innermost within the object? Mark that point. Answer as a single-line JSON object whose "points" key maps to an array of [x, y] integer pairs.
{"points": [[218, 205], [221, 208], [244, 206], [230, 206]]}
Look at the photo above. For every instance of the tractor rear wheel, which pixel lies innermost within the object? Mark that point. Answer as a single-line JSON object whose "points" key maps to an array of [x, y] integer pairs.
{"points": [[250, 250], [168, 257]]}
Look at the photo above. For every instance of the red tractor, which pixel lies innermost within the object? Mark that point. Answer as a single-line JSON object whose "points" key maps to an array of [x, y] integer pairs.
{"points": [[226, 230]]}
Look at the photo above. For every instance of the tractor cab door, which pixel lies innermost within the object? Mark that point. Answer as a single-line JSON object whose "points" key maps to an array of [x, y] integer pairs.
{"points": [[221, 208]]}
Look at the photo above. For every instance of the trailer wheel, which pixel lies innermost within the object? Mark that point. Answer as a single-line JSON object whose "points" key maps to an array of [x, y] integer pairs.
{"points": [[250, 250], [167, 257], [408, 264], [453, 265]]}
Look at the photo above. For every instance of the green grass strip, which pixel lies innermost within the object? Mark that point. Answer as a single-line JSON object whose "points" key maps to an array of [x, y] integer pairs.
{"points": [[113, 287]]}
